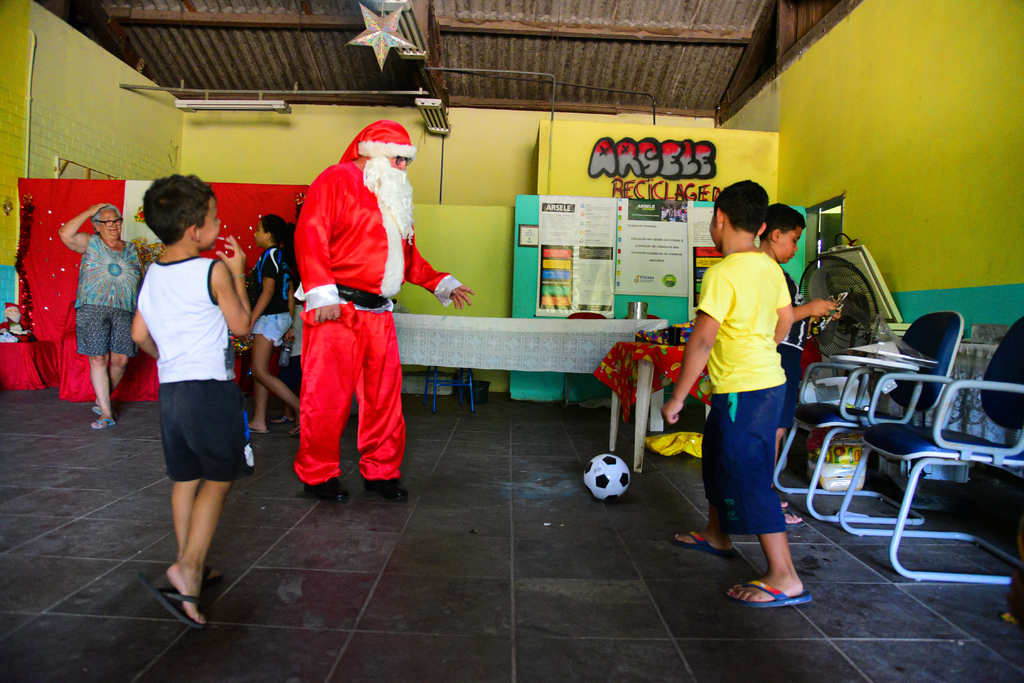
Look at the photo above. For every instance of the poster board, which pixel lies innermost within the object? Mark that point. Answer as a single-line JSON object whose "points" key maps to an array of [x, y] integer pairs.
{"points": [[702, 251], [651, 253], [590, 249], [577, 256]]}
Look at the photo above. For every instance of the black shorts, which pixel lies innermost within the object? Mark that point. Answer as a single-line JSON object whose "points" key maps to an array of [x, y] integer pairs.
{"points": [[794, 373], [291, 374], [202, 425]]}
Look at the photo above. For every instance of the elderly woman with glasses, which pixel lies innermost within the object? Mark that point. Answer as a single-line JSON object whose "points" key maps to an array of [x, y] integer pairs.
{"points": [[108, 288]]}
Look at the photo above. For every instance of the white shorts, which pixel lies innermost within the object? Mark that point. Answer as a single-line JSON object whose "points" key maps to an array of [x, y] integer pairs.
{"points": [[273, 327]]}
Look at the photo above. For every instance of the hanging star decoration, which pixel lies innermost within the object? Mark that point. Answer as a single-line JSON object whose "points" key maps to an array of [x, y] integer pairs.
{"points": [[381, 34]]}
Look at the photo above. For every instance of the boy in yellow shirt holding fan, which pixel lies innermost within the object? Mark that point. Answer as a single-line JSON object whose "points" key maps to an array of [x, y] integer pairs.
{"points": [[745, 311]]}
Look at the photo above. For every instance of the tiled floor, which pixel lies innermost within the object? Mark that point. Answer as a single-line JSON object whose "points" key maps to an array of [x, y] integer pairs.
{"points": [[501, 567]]}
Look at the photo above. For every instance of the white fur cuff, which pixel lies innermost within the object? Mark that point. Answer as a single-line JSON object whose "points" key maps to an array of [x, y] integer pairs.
{"points": [[371, 149]]}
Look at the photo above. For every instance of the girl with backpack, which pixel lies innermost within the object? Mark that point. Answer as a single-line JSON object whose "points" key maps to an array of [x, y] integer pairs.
{"points": [[274, 283]]}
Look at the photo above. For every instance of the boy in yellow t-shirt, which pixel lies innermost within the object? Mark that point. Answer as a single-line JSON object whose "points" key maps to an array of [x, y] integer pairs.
{"points": [[745, 311]]}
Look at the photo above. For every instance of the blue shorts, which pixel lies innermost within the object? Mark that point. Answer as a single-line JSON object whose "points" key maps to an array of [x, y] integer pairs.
{"points": [[273, 326], [739, 459], [794, 373]]}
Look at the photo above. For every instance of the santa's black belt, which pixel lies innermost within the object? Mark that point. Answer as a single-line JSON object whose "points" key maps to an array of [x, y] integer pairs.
{"points": [[361, 298]]}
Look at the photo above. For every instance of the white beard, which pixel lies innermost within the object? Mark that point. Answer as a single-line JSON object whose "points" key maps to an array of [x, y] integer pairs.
{"points": [[394, 197]]}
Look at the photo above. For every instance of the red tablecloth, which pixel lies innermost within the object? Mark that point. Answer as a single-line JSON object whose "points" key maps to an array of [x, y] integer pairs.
{"points": [[29, 365], [618, 371], [139, 383]]}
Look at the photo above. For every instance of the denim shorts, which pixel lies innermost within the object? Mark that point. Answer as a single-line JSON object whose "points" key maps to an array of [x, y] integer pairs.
{"points": [[104, 329], [273, 326], [739, 459]]}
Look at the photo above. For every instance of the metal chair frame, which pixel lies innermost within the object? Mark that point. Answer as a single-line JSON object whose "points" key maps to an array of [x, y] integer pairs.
{"points": [[463, 379], [853, 420], [954, 451]]}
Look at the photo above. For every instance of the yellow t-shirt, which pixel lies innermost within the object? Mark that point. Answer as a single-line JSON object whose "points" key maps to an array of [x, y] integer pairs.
{"points": [[743, 292]]}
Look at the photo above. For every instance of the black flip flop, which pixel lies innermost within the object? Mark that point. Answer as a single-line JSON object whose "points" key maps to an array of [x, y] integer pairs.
{"points": [[208, 581], [165, 597]]}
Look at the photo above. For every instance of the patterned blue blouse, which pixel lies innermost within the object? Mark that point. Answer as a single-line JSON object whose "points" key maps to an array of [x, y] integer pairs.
{"points": [[108, 277]]}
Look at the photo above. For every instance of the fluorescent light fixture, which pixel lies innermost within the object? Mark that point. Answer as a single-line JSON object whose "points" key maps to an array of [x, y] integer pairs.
{"points": [[434, 115], [280, 106]]}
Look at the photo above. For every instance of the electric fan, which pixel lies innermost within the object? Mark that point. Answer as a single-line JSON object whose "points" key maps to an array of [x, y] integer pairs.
{"points": [[829, 276]]}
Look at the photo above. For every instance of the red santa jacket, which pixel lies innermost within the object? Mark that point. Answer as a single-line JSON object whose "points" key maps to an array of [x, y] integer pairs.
{"points": [[341, 239]]}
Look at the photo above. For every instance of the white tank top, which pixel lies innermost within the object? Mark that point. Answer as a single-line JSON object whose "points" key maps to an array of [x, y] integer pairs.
{"points": [[176, 301]]}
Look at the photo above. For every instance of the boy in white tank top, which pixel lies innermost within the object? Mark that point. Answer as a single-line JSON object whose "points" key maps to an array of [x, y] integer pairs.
{"points": [[187, 306]]}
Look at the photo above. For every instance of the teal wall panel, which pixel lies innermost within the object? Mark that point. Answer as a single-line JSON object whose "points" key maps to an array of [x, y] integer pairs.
{"points": [[998, 304], [8, 284], [536, 386]]}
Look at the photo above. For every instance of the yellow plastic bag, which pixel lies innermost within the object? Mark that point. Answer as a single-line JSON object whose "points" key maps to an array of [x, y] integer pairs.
{"points": [[674, 444]]}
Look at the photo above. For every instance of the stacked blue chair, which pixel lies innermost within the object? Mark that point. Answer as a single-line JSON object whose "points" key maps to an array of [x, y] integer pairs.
{"points": [[463, 380], [1002, 400], [936, 335]]}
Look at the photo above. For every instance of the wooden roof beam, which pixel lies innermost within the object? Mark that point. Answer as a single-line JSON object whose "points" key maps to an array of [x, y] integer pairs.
{"points": [[463, 101], [750, 63], [594, 32], [111, 35], [139, 17]]}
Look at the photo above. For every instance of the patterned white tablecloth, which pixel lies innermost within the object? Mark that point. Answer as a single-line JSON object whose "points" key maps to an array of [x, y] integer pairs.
{"points": [[530, 344]]}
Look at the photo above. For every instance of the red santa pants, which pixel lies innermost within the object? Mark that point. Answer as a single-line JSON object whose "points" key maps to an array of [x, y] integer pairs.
{"points": [[358, 352]]}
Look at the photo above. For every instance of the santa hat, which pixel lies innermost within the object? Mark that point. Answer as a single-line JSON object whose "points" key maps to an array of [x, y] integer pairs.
{"points": [[381, 139]]}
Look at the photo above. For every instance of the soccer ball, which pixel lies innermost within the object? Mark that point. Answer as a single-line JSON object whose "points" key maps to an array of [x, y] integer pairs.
{"points": [[607, 477]]}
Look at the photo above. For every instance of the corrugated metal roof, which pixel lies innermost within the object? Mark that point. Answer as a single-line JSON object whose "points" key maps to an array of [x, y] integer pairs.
{"points": [[683, 52]]}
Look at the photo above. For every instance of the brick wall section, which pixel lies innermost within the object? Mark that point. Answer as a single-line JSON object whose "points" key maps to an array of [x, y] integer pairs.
{"points": [[12, 167], [12, 154], [91, 143]]}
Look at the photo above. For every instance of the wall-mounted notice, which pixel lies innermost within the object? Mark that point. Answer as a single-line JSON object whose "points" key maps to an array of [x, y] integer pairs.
{"points": [[651, 253], [703, 252], [577, 255]]}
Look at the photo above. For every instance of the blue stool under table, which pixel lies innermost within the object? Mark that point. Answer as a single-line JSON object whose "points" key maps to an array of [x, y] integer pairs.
{"points": [[463, 380]]}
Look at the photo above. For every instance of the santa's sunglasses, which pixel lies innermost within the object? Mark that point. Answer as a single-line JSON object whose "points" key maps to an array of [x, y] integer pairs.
{"points": [[403, 160]]}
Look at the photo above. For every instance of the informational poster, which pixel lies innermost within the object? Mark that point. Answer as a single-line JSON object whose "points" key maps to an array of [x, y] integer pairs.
{"points": [[577, 255], [651, 253], [703, 252]]}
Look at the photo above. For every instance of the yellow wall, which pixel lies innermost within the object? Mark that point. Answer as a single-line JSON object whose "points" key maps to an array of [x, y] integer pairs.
{"points": [[761, 113], [741, 155], [920, 127], [80, 113], [489, 157], [473, 243], [14, 16]]}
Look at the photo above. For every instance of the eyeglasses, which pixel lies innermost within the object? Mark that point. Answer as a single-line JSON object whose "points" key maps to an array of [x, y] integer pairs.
{"points": [[403, 160], [110, 224]]}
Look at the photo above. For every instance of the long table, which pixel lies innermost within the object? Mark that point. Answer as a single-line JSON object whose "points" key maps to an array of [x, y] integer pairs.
{"points": [[525, 344]]}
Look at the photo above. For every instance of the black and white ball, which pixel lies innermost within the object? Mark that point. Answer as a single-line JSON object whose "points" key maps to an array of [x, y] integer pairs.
{"points": [[606, 476]]}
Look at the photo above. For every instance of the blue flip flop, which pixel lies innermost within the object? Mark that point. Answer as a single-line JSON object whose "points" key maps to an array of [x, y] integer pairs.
{"points": [[703, 546], [779, 599], [103, 423], [96, 409]]}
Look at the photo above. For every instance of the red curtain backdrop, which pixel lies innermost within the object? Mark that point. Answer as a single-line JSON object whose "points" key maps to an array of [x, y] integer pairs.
{"points": [[240, 207], [52, 269]]}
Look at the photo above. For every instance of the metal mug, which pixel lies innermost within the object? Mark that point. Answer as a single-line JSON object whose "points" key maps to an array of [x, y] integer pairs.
{"points": [[636, 310]]}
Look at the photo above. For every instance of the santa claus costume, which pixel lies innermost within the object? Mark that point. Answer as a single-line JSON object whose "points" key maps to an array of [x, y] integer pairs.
{"points": [[355, 246]]}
